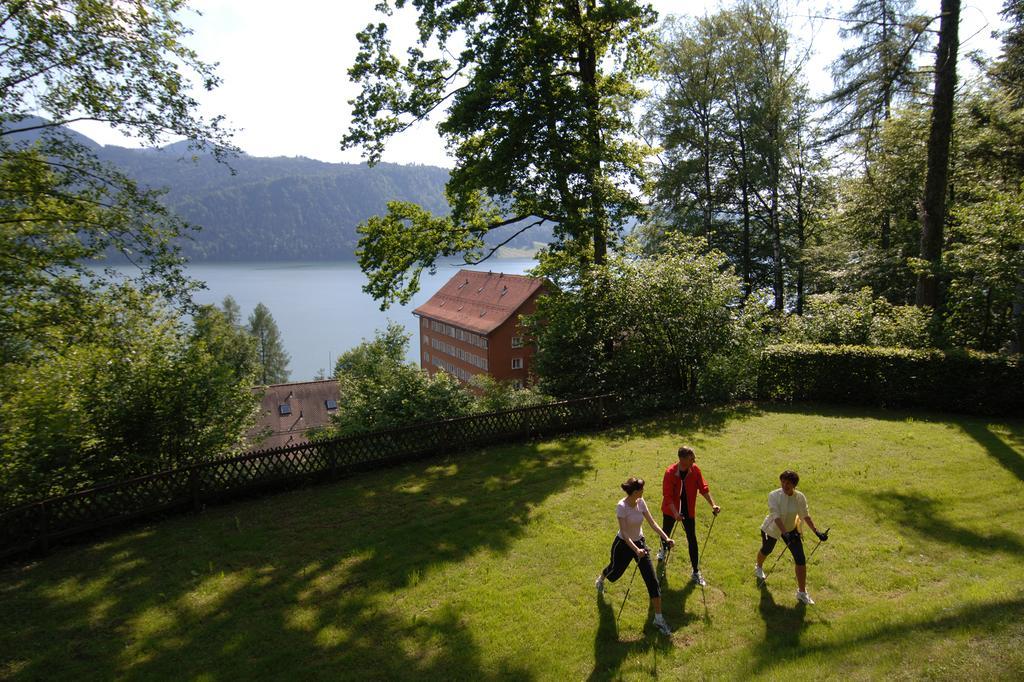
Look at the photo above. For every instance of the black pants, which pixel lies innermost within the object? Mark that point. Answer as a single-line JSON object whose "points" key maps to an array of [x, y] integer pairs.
{"points": [[690, 526], [622, 554], [796, 548]]}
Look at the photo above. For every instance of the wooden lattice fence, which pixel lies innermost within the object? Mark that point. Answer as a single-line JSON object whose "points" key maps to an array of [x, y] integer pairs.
{"points": [[37, 525]]}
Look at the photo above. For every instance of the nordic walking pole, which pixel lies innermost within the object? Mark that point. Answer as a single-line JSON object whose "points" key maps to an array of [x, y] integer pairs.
{"points": [[782, 554], [817, 545], [627, 593], [707, 537], [668, 552]]}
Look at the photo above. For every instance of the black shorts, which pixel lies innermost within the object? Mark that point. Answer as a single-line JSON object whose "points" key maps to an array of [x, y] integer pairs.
{"points": [[796, 548]]}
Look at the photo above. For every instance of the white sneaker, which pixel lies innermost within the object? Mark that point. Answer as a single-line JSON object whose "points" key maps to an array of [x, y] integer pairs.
{"points": [[599, 584], [662, 626], [661, 554], [698, 579], [804, 597], [759, 572]]}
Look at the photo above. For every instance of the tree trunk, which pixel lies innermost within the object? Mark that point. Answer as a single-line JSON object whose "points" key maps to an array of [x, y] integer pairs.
{"points": [[777, 280], [933, 204], [587, 62], [748, 284], [775, 221], [707, 179], [800, 237]]}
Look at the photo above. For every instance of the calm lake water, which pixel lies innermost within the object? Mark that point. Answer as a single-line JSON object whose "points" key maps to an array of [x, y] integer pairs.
{"points": [[320, 308]]}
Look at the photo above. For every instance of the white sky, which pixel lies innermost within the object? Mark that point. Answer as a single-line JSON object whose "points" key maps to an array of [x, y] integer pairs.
{"points": [[285, 87]]}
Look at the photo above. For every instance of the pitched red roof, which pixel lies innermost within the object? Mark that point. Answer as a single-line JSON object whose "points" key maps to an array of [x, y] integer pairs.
{"points": [[307, 408], [479, 301]]}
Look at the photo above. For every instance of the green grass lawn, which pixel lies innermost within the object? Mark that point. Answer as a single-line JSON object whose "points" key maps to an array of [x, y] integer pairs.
{"points": [[482, 566]]}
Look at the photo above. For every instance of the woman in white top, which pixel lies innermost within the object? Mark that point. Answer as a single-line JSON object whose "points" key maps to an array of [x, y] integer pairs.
{"points": [[629, 545], [786, 507]]}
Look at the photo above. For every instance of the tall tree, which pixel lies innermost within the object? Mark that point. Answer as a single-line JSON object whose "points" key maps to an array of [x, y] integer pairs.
{"points": [[727, 121], [1009, 70], [933, 204], [853, 257], [273, 359], [879, 71], [123, 63], [809, 191], [773, 87], [873, 76], [687, 116], [232, 311], [539, 98]]}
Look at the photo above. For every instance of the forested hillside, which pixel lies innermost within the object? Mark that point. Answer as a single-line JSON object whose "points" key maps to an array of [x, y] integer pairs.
{"points": [[277, 208], [282, 208]]}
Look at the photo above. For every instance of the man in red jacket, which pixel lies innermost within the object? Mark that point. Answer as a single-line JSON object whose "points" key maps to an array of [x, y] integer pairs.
{"points": [[680, 486]]}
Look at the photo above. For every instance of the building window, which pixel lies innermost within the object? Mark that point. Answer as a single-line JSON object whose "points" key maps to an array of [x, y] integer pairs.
{"points": [[517, 384], [331, 404], [517, 342], [426, 357], [426, 340], [517, 363], [426, 323], [284, 409]]}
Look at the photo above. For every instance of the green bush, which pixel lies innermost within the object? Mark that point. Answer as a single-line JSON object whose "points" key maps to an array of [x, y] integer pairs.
{"points": [[380, 390], [495, 396], [148, 391], [646, 327], [960, 381], [859, 320]]}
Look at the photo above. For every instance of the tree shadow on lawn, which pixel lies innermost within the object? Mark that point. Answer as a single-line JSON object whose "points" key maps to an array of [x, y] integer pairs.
{"points": [[982, 621], [783, 626], [708, 420], [298, 585], [1009, 457], [923, 515], [841, 411]]}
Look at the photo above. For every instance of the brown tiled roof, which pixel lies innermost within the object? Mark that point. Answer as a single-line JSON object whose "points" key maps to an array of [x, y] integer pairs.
{"points": [[308, 409], [479, 301]]}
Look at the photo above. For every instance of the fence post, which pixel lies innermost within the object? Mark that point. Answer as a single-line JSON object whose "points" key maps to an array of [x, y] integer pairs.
{"points": [[44, 527]]}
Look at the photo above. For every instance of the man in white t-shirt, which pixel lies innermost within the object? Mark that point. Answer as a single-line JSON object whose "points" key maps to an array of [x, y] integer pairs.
{"points": [[786, 508]]}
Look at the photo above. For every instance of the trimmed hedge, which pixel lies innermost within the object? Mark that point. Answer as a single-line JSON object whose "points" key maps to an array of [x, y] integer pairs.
{"points": [[952, 381]]}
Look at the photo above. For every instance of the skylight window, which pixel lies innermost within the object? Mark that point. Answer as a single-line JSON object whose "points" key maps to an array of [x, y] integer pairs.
{"points": [[331, 404], [284, 409]]}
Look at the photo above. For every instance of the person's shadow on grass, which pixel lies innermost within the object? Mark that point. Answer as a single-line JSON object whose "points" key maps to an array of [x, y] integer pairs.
{"points": [[610, 652], [674, 602], [783, 625]]}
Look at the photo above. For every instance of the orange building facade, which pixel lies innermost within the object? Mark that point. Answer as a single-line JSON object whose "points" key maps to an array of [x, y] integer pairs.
{"points": [[471, 326]]}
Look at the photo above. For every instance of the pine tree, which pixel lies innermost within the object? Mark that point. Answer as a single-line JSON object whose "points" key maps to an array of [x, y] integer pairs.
{"points": [[232, 311], [272, 356]]}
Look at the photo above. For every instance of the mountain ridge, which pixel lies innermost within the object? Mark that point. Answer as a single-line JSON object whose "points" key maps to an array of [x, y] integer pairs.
{"points": [[279, 208]]}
